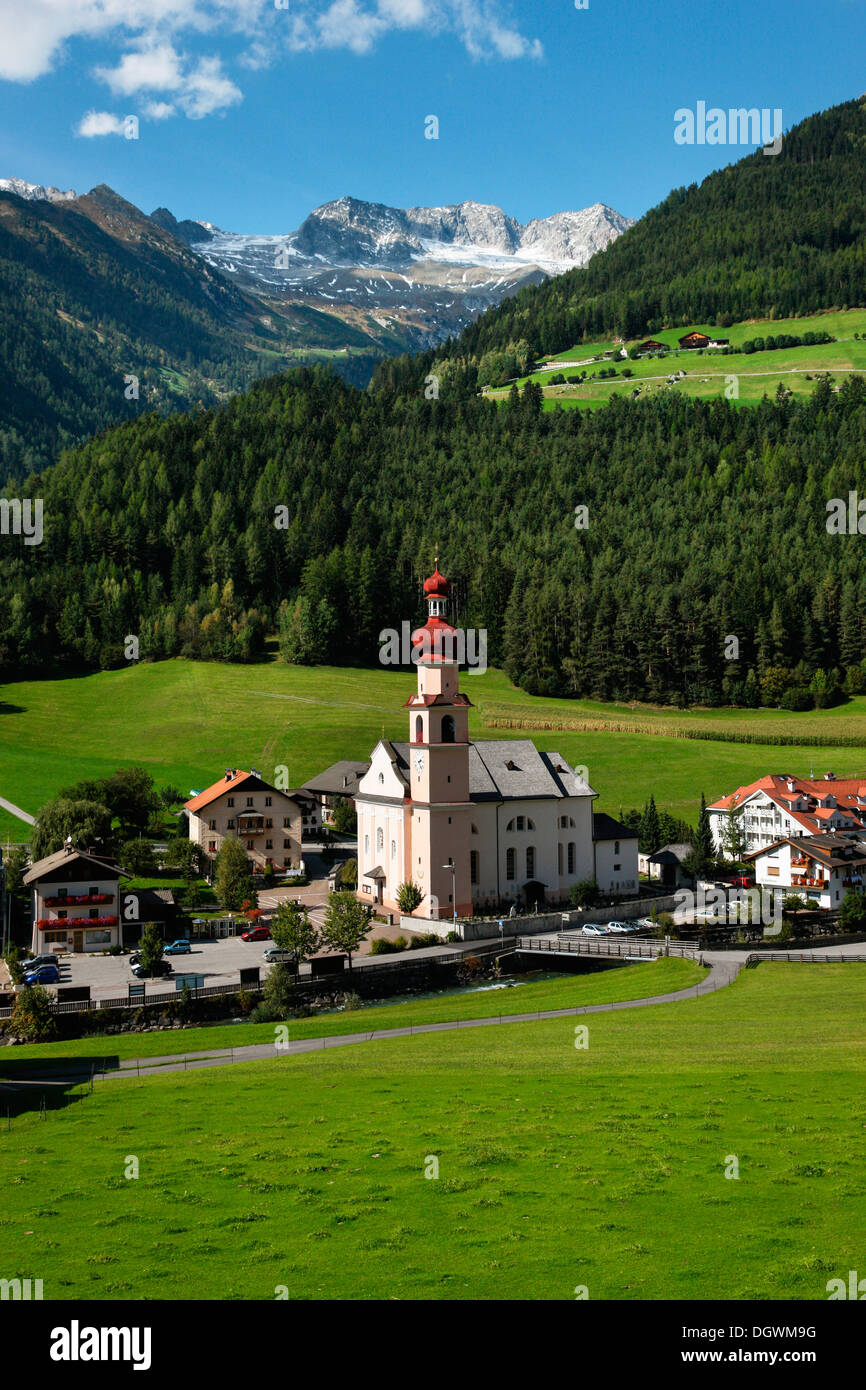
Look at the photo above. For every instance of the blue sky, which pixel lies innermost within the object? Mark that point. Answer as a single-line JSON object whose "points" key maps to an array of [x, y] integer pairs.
{"points": [[251, 113]]}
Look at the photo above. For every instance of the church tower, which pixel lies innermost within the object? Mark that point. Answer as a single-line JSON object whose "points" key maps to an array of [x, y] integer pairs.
{"points": [[439, 762]]}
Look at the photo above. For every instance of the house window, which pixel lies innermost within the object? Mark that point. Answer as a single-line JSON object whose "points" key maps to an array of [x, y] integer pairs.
{"points": [[616, 867], [474, 829], [381, 779], [230, 825], [287, 822], [559, 859], [473, 865], [530, 861], [269, 844], [571, 856], [520, 822], [211, 846], [93, 892], [287, 844], [269, 824], [249, 801], [509, 864], [211, 825], [616, 846], [94, 912], [231, 801], [563, 822], [267, 801], [62, 915], [250, 844]]}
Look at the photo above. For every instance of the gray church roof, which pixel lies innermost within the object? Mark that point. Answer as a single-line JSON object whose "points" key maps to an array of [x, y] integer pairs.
{"points": [[510, 770]]}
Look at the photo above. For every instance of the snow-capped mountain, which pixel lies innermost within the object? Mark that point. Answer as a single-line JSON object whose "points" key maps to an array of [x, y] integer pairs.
{"points": [[404, 277], [36, 191], [429, 269]]}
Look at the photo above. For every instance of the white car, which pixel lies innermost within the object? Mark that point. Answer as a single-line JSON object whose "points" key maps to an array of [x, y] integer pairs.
{"points": [[592, 929], [619, 926]]}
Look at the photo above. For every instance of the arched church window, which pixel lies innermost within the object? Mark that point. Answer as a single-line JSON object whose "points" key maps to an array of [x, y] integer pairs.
{"points": [[510, 825], [509, 864], [473, 865], [530, 861], [393, 849], [380, 838], [419, 729], [449, 729], [474, 829], [571, 856]]}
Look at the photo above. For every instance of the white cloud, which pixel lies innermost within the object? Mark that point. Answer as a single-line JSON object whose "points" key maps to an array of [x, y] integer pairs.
{"points": [[199, 89], [207, 89], [158, 110], [157, 69], [35, 34], [100, 123]]}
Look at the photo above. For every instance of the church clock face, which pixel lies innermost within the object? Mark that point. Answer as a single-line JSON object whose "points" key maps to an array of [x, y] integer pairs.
{"points": [[419, 761]]}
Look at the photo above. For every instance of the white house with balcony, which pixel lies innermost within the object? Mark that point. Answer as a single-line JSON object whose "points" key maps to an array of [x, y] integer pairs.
{"points": [[780, 805], [821, 869], [76, 902]]}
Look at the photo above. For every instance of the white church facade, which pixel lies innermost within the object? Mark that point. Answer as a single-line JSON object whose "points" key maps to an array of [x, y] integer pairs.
{"points": [[475, 822]]}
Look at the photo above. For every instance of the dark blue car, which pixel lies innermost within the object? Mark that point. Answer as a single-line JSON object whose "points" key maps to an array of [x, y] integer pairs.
{"points": [[43, 975]]}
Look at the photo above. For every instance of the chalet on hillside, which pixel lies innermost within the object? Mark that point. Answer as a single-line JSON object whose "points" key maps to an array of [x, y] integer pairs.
{"points": [[652, 346], [694, 340]]}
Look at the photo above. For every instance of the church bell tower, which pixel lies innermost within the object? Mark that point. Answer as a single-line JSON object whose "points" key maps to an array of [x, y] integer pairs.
{"points": [[439, 762]]}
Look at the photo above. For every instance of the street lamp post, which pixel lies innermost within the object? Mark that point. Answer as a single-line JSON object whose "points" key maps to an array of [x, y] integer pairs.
{"points": [[453, 869]]}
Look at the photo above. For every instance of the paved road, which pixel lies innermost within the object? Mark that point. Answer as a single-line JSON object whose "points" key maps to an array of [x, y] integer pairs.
{"points": [[16, 811], [723, 970]]}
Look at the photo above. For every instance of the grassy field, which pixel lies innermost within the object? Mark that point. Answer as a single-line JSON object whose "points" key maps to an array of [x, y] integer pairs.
{"points": [[558, 1167], [638, 981], [186, 721], [709, 373]]}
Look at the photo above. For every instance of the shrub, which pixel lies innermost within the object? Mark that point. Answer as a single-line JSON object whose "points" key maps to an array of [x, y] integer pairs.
{"points": [[452, 935], [796, 698], [32, 1018], [349, 873], [409, 896], [381, 946], [352, 1001], [427, 938]]}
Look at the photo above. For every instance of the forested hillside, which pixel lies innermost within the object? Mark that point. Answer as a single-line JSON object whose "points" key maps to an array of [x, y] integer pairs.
{"points": [[92, 293], [767, 237], [704, 522]]}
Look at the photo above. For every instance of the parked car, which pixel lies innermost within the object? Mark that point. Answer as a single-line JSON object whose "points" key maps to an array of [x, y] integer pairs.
{"points": [[35, 961], [42, 975], [162, 967], [619, 926], [181, 947], [593, 929], [256, 934], [274, 953]]}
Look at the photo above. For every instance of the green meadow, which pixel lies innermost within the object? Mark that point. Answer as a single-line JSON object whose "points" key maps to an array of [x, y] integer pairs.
{"points": [[186, 721], [708, 374], [498, 1163], [638, 981]]}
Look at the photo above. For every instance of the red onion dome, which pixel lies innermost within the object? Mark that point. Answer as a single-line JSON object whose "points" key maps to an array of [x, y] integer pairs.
{"points": [[437, 585]]}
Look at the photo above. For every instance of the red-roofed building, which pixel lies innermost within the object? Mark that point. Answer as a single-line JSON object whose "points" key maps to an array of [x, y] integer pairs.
{"points": [[243, 806], [779, 805]]}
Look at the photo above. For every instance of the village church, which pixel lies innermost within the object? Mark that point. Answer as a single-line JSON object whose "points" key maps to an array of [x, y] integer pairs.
{"points": [[476, 822]]}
